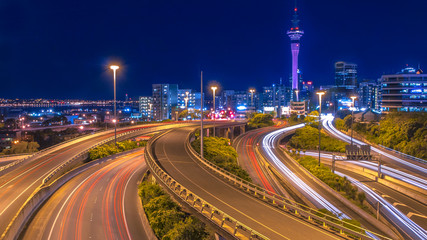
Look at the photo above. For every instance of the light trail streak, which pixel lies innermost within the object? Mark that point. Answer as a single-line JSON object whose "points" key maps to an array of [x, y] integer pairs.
{"points": [[268, 144], [389, 171], [399, 218], [327, 123]]}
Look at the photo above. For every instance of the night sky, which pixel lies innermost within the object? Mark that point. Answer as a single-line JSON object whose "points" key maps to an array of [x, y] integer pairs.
{"points": [[62, 49]]}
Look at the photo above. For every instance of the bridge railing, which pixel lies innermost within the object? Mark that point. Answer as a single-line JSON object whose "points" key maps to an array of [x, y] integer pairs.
{"points": [[84, 154], [37, 154], [214, 214], [404, 154], [309, 214]]}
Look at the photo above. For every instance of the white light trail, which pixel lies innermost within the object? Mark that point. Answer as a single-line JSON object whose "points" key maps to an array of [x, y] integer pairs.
{"points": [[389, 171], [399, 218], [268, 143], [327, 123]]}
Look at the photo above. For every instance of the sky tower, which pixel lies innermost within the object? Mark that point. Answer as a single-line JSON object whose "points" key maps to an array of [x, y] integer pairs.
{"points": [[295, 33]]}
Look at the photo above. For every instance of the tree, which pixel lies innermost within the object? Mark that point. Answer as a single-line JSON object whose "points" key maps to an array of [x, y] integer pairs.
{"points": [[192, 228]]}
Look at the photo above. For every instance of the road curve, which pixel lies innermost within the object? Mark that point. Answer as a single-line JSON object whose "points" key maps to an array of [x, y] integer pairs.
{"points": [[100, 203], [171, 153], [17, 185]]}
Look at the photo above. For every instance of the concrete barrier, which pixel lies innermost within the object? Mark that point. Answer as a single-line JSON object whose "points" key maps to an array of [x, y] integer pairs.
{"points": [[381, 226]]}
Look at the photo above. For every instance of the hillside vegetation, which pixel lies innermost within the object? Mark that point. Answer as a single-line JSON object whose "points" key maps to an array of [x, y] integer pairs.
{"points": [[405, 132]]}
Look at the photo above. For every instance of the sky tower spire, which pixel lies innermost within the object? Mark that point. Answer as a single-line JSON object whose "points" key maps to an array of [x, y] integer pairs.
{"points": [[295, 33]]}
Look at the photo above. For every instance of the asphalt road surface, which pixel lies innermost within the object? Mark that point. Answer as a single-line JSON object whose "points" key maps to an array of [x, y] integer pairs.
{"points": [[100, 203], [170, 150], [17, 185]]}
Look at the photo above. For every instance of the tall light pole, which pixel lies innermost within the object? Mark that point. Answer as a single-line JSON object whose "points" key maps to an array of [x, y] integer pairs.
{"points": [[252, 96], [296, 93], [186, 105], [213, 90], [114, 68], [201, 114], [352, 110], [320, 120]]}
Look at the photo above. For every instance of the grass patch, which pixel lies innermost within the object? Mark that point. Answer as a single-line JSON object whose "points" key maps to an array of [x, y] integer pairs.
{"points": [[308, 138], [336, 182], [166, 218], [219, 151], [110, 149]]}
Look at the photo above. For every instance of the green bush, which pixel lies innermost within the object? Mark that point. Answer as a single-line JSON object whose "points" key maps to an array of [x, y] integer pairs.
{"points": [[110, 149], [308, 138], [340, 184], [405, 132], [218, 151], [259, 120], [21, 147], [165, 216]]}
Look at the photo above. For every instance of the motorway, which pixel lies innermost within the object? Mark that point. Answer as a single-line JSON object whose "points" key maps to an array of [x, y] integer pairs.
{"points": [[397, 162], [17, 185], [309, 190], [171, 153], [100, 203], [403, 210], [258, 169]]}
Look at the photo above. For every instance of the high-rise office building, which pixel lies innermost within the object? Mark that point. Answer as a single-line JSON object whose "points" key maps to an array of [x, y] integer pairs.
{"points": [[367, 94], [405, 91], [145, 107], [295, 34], [182, 95], [345, 75], [165, 100]]}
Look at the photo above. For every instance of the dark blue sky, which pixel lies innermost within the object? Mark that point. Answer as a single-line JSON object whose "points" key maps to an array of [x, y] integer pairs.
{"points": [[61, 49]]}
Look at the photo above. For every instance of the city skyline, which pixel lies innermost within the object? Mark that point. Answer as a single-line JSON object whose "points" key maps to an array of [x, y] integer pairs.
{"points": [[56, 52]]}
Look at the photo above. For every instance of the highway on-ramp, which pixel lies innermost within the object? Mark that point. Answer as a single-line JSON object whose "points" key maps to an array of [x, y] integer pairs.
{"points": [[173, 156], [17, 185], [100, 203]]}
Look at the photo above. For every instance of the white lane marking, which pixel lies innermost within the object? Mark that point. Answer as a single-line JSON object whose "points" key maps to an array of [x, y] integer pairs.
{"points": [[63, 205], [123, 206]]}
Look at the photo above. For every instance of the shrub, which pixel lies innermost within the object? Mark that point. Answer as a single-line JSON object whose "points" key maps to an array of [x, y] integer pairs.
{"points": [[259, 120], [219, 152], [165, 216], [308, 138], [110, 149]]}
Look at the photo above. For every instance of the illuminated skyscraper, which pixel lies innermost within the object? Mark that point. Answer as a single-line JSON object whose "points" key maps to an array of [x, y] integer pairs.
{"points": [[295, 33]]}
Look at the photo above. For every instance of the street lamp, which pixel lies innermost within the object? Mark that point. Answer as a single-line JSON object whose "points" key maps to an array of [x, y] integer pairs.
{"points": [[320, 113], [296, 93], [213, 90], [252, 96], [114, 68], [352, 110], [186, 105]]}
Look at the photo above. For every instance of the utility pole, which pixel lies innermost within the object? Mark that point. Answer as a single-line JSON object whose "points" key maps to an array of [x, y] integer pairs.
{"points": [[201, 114]]}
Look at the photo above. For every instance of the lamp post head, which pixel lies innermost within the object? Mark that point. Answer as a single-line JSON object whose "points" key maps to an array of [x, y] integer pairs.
{"points": [[353, 97], [320, 93], [114, 67], [214, 88], [252, 90]]}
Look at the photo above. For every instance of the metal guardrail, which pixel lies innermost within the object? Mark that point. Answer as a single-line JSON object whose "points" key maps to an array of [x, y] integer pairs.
{"points": [[337, 225], [65, 142], [214, 214], [404, 154], [84, 154]]}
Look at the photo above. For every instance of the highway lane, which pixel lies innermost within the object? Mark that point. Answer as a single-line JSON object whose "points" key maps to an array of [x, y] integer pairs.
{"points": [[4, 160], [413, 209], [100, 203], [171, 152], [398, 162], [247, 159], [309, 188], [17, 185], [257, 167]]}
